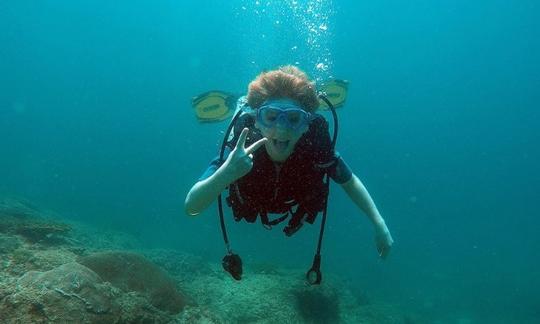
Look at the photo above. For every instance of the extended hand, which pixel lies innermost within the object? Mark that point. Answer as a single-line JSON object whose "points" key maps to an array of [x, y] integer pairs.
{"points": [[384, 241], [240, 160]]}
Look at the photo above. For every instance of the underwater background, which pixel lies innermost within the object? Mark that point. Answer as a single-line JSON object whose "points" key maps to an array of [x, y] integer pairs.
{"points": [[441, 124]]}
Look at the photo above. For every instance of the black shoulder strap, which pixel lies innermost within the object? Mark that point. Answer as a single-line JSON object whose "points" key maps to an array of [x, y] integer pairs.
{"points": [[243, 121]]}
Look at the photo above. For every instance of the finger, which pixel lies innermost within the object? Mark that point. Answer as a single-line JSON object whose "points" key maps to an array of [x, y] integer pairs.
{"points": [[253, 147], [384, 252], [242, 138]]}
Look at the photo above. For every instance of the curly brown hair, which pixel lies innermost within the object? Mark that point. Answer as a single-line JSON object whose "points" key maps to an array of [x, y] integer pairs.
{"points": [[286, 82]]}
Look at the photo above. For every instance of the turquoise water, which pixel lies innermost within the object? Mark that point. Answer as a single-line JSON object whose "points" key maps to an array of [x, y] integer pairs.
{"points": [[441, 124]]}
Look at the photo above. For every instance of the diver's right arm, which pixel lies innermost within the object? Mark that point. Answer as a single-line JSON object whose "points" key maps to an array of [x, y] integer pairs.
{"points": [[204, 192], [238, 163]]}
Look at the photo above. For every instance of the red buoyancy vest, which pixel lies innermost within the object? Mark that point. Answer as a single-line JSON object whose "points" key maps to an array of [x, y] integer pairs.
{"points": [[295, 187]]}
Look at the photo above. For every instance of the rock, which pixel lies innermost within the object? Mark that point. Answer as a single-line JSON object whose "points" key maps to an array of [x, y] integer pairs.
{"points": [[73, 293], [17, 207], [132, 272], [30, 258], [315, 305], [8, 244], [43, 231], [20, 218], [69, 293]]}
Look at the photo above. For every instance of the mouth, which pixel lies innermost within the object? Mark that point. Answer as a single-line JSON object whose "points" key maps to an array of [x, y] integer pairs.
{"points": [[281, 146]]}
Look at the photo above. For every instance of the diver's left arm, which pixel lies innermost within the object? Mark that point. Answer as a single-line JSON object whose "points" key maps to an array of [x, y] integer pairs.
{"points": [[358, 193]]}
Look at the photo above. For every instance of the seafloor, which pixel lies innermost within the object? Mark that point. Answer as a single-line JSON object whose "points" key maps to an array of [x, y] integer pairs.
{"points": [[56, 271]]}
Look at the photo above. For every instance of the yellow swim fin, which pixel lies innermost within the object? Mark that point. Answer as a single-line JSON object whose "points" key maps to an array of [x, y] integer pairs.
{"points": [[214, 106], [336, 92]]}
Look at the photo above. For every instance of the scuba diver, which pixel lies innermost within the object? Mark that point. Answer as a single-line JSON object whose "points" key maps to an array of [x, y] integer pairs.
{"points": [[276, 160]]}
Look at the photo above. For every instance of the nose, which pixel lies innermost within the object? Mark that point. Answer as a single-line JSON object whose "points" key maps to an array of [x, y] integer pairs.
{"points": [[282, 122], [280, 129]]}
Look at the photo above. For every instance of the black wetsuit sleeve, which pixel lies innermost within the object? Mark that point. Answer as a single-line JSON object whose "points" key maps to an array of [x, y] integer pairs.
{"points": [[214, 165], [339, 171]]}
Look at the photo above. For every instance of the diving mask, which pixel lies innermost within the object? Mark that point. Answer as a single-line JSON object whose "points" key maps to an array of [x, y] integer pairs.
{"points": [[284, 112]]}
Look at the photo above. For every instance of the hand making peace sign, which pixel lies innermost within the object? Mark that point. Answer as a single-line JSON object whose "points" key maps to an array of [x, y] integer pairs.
{"points": [[240, 160]]}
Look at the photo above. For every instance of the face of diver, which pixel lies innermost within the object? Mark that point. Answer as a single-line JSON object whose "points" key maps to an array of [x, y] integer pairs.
{"points": [[283, 123]]}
